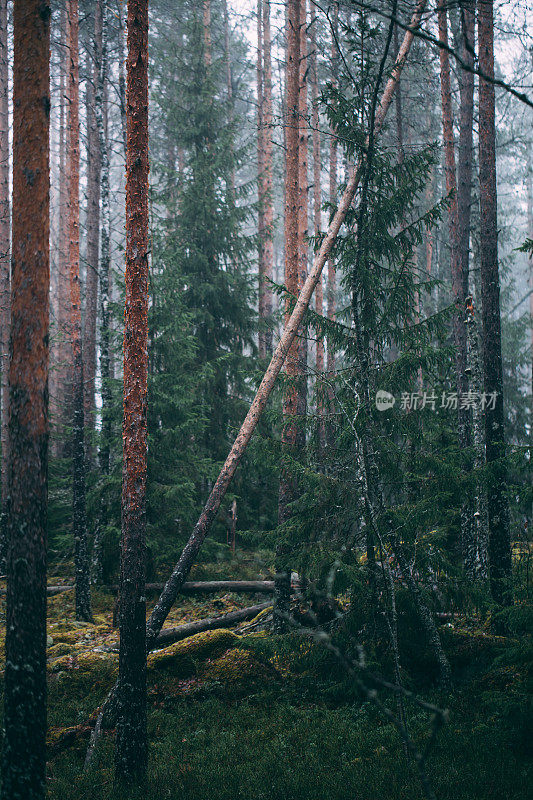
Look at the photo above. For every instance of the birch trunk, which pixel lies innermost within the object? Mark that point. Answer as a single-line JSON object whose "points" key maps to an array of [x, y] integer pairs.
{"points": [[79, 521], [94, 167]]}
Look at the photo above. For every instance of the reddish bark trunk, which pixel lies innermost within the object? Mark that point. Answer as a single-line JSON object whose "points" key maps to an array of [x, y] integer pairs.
{"points": [[24, 746], [79, 523], [5, 231], [303, 222], [131, 747], [498, 508]]}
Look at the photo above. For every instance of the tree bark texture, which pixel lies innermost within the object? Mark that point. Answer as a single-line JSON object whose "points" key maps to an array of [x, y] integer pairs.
{"points": [[303, 223], [210, 510], [317, 224], [24, 746], [498, 507], [260, 171], [267, 200], [5, 270], [79, 521], [287, 487], [132, 745], [331, 288], [94, 169], [459, 327], [61, 353], [466, 145]]}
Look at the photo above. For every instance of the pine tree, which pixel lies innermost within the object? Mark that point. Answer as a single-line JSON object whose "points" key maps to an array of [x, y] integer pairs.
{"points": [[5, 276], [131, 751], [498, 508], [24, 746]]}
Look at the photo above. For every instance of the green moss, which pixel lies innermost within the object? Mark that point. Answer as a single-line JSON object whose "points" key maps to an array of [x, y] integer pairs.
{"points": [[60, 649], [90, 668], [237, 667], [179, 659]]}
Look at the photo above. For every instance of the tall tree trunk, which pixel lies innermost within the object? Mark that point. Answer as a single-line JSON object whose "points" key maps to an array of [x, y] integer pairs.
{"points": [[303, 224], [260, 182], [5, 231], [283, 351], [94, 168], [317, 219], [459, 326], [104, 453], [476, 555], [331, 289], [132, 745], [121, 76], [79, 520], [207, 32], [498, 507], [229, 90], [61, 356], [474, 544], [268, 198], [290, 394], [530, 259], [24, 746], [466, 146]]}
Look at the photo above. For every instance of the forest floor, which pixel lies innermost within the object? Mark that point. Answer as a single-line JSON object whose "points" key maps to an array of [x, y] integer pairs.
{"points": [[253, 716]]}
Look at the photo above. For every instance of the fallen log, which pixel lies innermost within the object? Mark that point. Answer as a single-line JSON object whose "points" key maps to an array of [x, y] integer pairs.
{"points": [[194, 587], [189, 587], [172, 635], [50, 590]]}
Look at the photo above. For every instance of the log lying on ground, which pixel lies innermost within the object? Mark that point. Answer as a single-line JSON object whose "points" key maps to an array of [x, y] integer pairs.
{"points": [[189, 587], [172, 635], [198, 587], [50, 590], [208, 515]]}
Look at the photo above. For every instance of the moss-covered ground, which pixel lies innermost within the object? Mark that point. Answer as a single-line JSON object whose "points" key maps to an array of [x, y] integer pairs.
{"points": [[258, 716]]}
